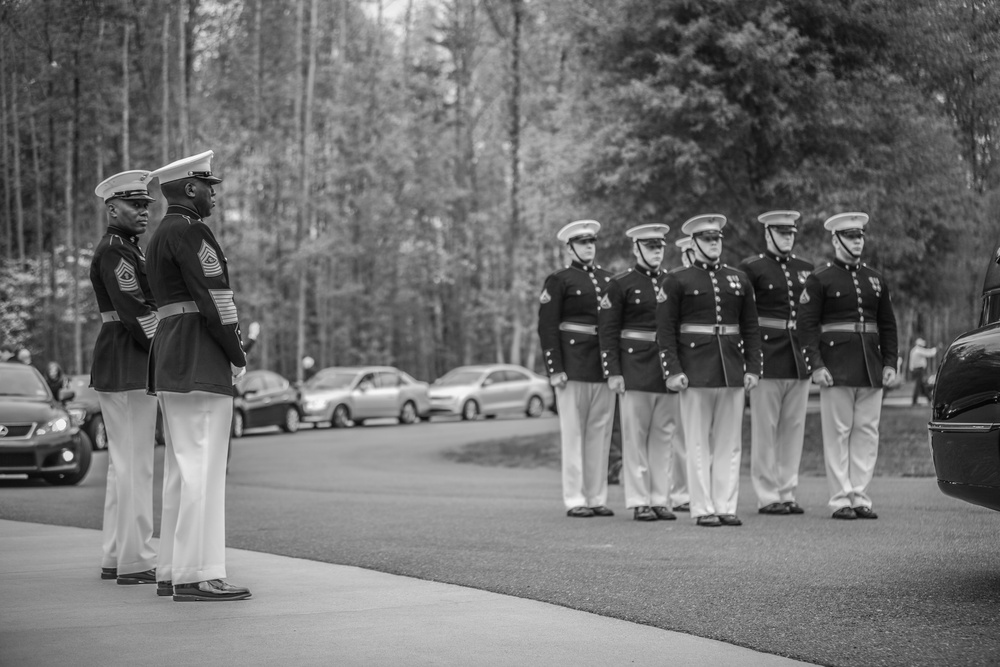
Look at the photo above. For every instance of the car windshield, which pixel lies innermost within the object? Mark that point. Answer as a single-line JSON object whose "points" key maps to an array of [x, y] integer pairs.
{"points": [[335, 380], [456, 378], [18, 380]]}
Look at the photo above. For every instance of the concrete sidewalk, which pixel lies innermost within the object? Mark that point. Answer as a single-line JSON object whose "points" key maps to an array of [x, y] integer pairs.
{"points": [[55, 610]]}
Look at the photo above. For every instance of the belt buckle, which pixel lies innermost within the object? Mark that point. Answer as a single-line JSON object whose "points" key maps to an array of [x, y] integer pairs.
{"points": [[717, 329], [790, 325]]}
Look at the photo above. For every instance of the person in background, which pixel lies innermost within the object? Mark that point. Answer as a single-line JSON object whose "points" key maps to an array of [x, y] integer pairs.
{"points": [[24, 356], [778, 405], [627, 331], [55, 378], [680, 498], [847, 329], [919, 356], [6, 353], [709, 342], [567, 329]]}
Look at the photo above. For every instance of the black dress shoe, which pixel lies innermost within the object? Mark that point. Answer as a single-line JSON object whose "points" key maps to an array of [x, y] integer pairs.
{"points": [[602, 510], [215, 590], [774, 508], [643, 513], [845, 513], [663, 514], [794, 507], [730, 520], [580, 512], [864, 513], [109, 573], [709, 521], [147, 577], [686, 507], [164, 588]]}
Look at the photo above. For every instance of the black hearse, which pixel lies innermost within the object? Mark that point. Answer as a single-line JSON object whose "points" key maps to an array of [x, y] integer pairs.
{"points": [[965, 426]]}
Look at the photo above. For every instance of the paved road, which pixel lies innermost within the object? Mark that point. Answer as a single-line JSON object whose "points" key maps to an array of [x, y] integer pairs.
{"points": [[920, 586]]}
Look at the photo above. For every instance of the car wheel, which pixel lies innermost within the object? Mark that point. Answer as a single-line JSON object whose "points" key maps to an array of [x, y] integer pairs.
{"points": [[98, 432], [470, 410], [535, 407], [408, 415], [341, 416], [237, 424], [84, 452], [291, 423]]}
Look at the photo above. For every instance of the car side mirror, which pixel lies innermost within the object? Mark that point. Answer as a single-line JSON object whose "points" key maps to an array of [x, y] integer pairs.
{"points": [[66, 395]]}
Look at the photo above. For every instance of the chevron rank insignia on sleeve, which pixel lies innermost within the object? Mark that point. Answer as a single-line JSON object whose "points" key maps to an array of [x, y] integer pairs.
{"points": [[605, 303], [804, 298], [545, 298], [126, 275], [224, 303], [148, 323], [661, 296], [210, 264]]}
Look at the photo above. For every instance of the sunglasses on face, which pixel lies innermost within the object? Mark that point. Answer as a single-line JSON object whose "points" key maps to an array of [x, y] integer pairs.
{"points": [[709, 236]]}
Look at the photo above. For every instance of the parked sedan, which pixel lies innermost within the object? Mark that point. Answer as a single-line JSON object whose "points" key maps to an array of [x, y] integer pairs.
{"points": [[490, 390], [38, 438], [965, 428], [344, 396], [86, 409], [264, 398]]}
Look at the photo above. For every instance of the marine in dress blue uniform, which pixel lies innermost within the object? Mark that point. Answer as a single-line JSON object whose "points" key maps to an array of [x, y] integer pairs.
{"points": [[567, 329], [118, 373], [649, 414], [707, 332], [195, 359], [680, 498], [778, 404], [847, 329]]}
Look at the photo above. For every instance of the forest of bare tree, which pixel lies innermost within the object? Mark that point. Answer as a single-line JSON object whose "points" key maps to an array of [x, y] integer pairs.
{"points": [[395, 171]]}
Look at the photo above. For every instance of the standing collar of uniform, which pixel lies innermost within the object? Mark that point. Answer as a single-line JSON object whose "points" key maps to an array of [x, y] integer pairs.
{"points": [[848, 267], [649, 273], [118, 231], [778, 258], [707, 266], [589, 268], [183, 210]]}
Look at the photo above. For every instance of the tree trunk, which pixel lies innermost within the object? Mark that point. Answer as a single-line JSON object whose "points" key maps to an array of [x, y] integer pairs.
{"points": [[39, 212], [165, 85], [125, 105], [8, 229], [182, 87], [18, 195], [514, 298]]}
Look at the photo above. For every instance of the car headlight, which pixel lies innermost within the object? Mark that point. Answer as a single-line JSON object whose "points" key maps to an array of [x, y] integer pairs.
{"points": [[314, 404], [57, 425], [78, 415]]}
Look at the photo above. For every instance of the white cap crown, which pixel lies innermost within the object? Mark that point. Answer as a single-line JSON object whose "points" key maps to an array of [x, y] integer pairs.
{"points": [[125, 185]]}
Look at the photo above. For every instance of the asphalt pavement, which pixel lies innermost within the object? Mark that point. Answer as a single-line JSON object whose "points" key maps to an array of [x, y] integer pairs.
{"points": [[57, 611], [920, 586]]}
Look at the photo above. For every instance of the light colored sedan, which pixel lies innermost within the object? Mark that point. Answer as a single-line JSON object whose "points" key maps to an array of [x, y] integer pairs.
{"points": [[490, 390], [344, 396]]}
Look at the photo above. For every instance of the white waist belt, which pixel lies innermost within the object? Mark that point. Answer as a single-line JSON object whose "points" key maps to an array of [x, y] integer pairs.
{"points": [[712, 329], [849, 327], [589, 329], [635, 334], [178, 308]]}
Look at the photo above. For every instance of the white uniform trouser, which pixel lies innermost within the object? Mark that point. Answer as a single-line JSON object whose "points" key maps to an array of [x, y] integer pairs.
{"points": [[678, 465], [193, 529], [648, 423], [130, 420], [850, 417], [586, 413], [713, 433], [777, 427]]}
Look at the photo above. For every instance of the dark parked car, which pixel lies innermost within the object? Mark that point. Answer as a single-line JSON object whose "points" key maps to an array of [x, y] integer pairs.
{"points": [[965, 425], [264, 398], [86, 409], [38, 438]]}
